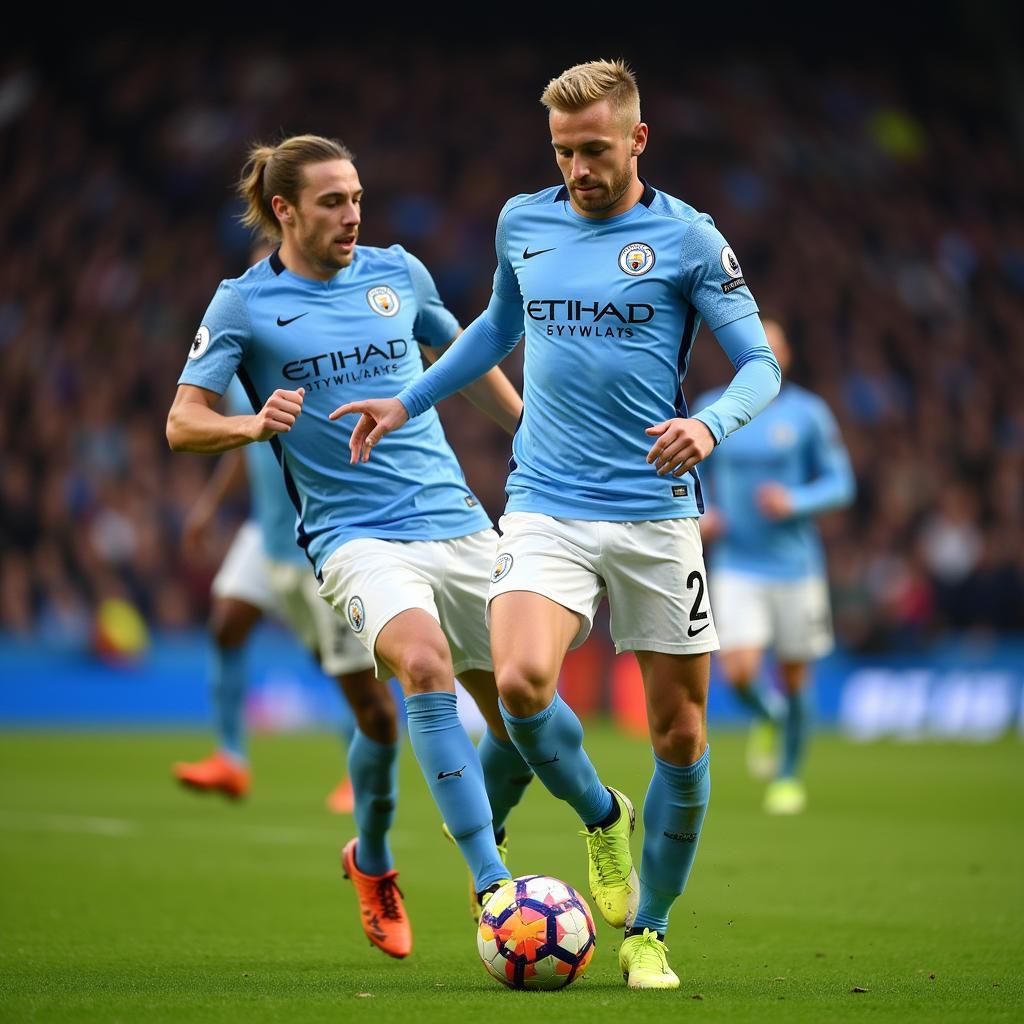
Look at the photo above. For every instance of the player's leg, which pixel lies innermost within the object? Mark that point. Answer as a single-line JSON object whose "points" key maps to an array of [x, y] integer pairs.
{"points": [[744, 624], [656, 584], [387, 592], [531, 631], [803, 628], [241, 593]]}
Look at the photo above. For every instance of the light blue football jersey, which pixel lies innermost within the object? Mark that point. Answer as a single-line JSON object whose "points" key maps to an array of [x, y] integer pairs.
{"points": [[350, 338], [270, 505], [610, 308], [794, 442]]}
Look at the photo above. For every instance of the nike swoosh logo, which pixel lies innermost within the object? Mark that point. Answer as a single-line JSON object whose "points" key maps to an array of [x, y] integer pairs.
{"points": [[690, 631], [285, 323], [539, 764], [448, 775], [527, 255]]}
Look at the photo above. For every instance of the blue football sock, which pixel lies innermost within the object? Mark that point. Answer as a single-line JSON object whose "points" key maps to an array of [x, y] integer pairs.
{"points": [[796, 732], [674, 809], [506, 776], [373, 768], [551, 743], [451, 767], [347, 727], [762, 700], [227, 678]]}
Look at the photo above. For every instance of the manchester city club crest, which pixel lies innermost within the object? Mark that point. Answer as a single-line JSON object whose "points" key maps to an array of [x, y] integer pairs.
{"points": [[356, 614], [383, 300], [636, 259], [502, 567]]}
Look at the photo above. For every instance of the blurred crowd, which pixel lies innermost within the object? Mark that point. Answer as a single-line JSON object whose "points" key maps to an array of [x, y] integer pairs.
{"points": [[878, 214]]}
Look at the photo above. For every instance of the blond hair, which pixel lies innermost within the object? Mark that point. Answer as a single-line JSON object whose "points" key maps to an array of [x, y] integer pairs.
{"points": [[277, 171], [584, 84]]}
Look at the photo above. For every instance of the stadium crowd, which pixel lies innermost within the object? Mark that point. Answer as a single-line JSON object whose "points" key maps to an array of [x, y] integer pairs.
{"points": [[879, 215]]}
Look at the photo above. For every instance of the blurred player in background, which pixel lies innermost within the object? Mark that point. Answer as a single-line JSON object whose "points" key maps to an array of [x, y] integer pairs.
{"points": [[611, 279], [768, 582], [266, 573], [404, 551]]}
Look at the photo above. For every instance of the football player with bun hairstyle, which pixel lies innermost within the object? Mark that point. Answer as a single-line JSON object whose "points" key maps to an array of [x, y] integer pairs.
{"points": [[403, 552]]}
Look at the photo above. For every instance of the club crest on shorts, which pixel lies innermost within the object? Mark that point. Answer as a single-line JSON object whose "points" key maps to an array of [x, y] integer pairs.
{"points": [[200, 343], [356, 614], [383, 300], [502, 567], [636, 259]]}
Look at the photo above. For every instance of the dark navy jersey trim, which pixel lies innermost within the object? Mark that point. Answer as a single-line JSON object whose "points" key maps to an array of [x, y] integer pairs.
{"points": [[649, 193], [276, 265], [685, 344], [303, 539], [561, 196]]}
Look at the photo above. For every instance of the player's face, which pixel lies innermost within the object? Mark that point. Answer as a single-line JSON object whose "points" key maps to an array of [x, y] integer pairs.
{"points": [[597, 157], [325, 221]]}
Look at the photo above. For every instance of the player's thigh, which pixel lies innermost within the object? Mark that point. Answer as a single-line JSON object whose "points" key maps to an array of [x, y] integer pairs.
{"points": [[743, 613], [802, 619], [243, 573], [657, 587], [543, 586], [460, 573], [371, 582]]}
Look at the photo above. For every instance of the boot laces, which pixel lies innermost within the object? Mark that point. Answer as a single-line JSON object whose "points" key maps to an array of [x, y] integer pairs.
{"points": [[388, 893]]}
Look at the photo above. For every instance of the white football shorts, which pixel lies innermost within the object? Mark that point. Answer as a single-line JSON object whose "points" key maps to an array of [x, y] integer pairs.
{"points": [[370, 581], [792, 617], [289, 592], [652, 571]]}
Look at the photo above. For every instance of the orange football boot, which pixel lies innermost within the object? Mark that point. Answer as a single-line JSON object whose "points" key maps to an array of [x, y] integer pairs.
{"points": [[341, 799], [382, 914], [216, 772]]}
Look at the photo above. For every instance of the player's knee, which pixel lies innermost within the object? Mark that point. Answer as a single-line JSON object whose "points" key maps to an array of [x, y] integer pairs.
{"points": [[424, 669], [523, 688], [228, 630], [679, 735]]}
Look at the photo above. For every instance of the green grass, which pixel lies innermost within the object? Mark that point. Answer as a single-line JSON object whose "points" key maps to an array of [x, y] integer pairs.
{"points": [[125, 899]]}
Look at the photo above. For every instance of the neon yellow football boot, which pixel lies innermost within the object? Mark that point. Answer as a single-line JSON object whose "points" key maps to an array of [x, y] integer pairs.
{"points": [[763, 750], [477, 902], [614, 883], [643, 960], [785, 796]]}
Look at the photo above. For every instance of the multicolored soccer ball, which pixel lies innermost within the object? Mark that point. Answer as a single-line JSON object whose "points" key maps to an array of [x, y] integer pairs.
{"points": [[536, 932]]}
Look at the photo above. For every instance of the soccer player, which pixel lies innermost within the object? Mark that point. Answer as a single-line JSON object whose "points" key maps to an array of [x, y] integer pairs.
{"points": [[266, 572], [402, 552], [611, 278], [768, 571]]}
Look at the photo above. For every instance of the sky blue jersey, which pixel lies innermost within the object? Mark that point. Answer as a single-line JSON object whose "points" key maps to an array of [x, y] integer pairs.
{"points": [[270, 505], [794, 442], [350, 338], [610, 308]]}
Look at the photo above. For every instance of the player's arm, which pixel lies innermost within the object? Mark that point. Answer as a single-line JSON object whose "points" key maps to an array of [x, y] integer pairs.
{"points": [[227, 478], [194, 425], [487, 340], [682, 443], [833, 484], [493, 393]]}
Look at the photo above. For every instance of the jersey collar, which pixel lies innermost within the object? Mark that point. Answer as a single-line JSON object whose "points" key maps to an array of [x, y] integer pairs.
{"points": [[562, 196]]}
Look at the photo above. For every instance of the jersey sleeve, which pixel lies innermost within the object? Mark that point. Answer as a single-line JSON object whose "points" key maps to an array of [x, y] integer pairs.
{"points": [[220, 343], [833, 483], [435, 324], [506, 284], [712, 279]]}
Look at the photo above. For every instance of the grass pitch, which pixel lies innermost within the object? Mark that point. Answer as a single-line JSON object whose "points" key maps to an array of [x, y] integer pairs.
{"points": [[898, 896]]}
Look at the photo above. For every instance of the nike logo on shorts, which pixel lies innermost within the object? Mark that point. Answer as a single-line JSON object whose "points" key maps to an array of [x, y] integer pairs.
{"points": [[691, 632]]}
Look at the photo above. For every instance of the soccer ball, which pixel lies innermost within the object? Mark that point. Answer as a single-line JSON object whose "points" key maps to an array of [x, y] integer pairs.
{"points": [[536, 932]]}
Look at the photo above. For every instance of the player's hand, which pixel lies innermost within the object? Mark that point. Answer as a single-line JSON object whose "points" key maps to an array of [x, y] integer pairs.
{"points": [[680, 446], [278, 415], [379, 416], [712, 525], [774, 501]]}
